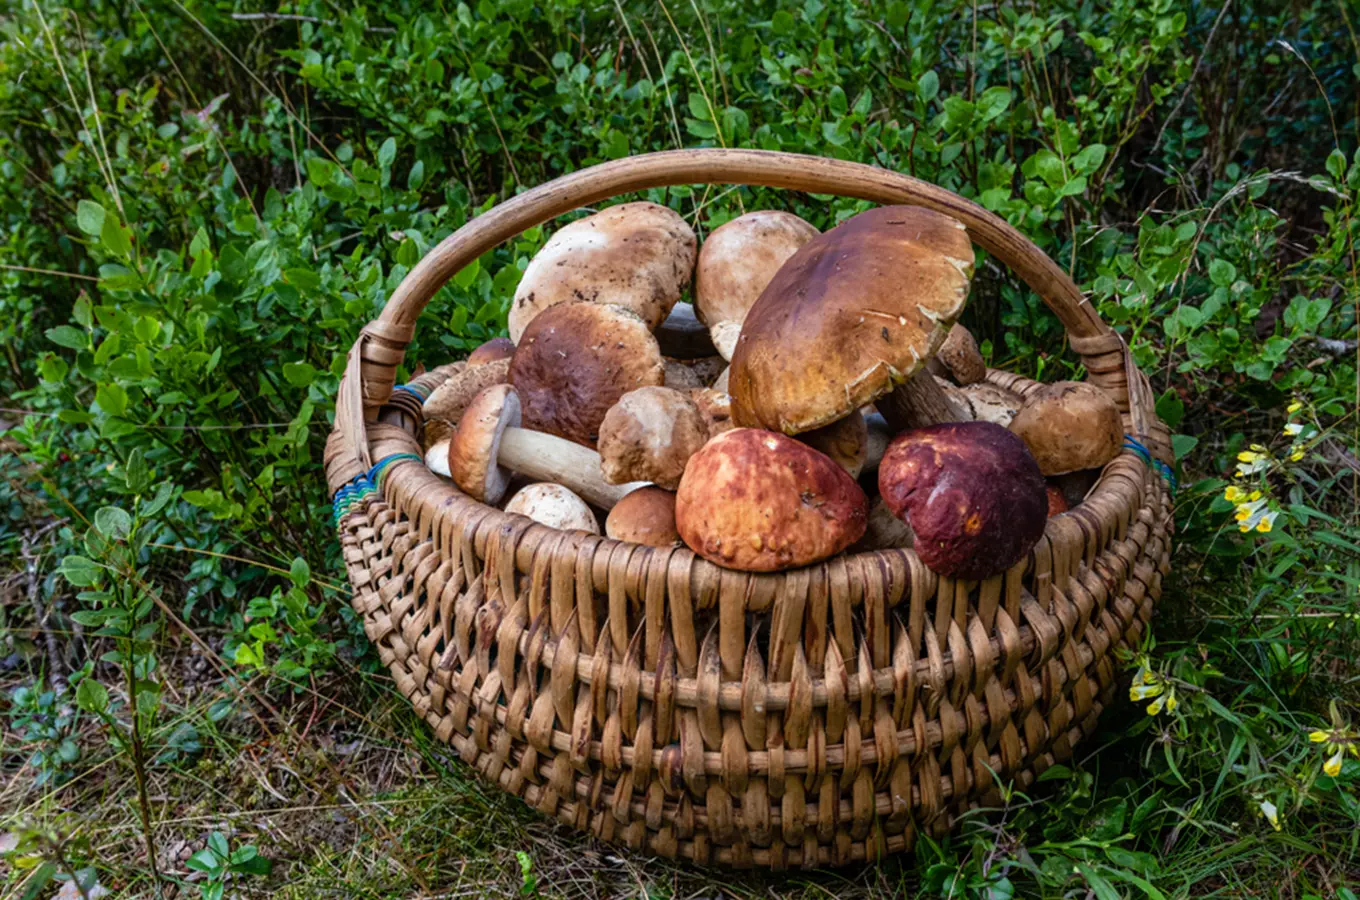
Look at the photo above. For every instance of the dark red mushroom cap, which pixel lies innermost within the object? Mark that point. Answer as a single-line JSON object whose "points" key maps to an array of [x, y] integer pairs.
{"points": [[972, 493]]}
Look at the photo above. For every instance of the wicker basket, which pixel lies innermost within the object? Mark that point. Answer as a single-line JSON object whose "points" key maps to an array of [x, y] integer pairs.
{"points": [[803, 718]]}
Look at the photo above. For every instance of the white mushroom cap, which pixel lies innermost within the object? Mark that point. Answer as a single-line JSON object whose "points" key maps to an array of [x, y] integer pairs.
{"points": [[992, 403], [736, 262], [554, 506], [475, 446], [649, 435], [437, 458], [448, 401], [635, 255]]}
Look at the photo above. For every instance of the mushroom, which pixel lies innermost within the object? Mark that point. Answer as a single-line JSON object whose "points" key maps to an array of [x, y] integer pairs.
{"points": [[707, 368], [1070, 425], [846, 441], [576, 360], [991, 402], [489, 445], [736, 262], [884, 531], [1057, 503], [760, 501], [649, 435], [851, 319], [957, 397], [971, 493], [437, 457], [447, 402], [958, 358], [554, 506], [716, 408], [636, 255], [723, 381], [680, 376], [683, 336], [646, 516], [879, 435], [492, 350]]}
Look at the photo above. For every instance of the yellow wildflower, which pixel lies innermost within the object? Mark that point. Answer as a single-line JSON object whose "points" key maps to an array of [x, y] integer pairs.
{"points": [[1271, 813], [1232, 494], [1296, 455], [1333, 765]]}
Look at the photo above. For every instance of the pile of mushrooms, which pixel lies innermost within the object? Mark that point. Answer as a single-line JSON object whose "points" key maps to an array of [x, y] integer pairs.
{"points": [[817, 397]]}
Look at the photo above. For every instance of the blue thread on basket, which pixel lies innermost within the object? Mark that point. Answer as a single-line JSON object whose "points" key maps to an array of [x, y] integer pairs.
{"points": [[1130, 443], [419, 393], [370, 482]]}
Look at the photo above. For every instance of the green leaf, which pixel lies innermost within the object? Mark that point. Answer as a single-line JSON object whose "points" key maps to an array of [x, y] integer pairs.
{"points": [[92, 696], [147, 329], [68, 336], [200, 242], [836, 101], [1170, 408], [1089, 159], [782, 22], [417, 176], [320, 172], [698, 107], [204, 860], [300, 572], [1336, 164], [81, 572], [233, 264], [113, 523], [302, 279], [255, 865], [1222, 272], [1182, 445], [299, 374], [90, 217], [387, 152], [115, 239], [217, 841], [927, 86], [112, 398]]}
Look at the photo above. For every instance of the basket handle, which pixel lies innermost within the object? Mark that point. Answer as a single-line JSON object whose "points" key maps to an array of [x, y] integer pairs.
{"points": [[370, 372]]}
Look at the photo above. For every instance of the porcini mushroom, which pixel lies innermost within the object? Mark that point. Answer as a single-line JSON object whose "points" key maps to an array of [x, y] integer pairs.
{"points": [[959, 358], [846, 441], [636, 255], [680, 376], [492, 350], [736, 262], [992, 403], [554, 506], [852, 318], [1070, 425], [715, 407], [646, 516], [649, 435], [760, 501], [489, 445], [971, 492], [879, 436], [437, 457], [575, 361], [447, 402], [1057, 503]]}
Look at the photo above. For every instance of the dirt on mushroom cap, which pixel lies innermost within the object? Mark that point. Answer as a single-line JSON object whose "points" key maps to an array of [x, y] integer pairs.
{"points": [[855, 312]]}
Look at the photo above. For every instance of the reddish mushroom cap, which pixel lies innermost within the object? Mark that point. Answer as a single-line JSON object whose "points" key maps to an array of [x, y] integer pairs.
{"points": [[760, 501], [972, 493]]}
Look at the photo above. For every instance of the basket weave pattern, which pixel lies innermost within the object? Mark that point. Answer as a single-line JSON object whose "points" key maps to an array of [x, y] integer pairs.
{"points": [[811, 717]]}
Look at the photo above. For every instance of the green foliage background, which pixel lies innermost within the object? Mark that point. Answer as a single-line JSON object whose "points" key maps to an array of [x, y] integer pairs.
{"points": [[202, 204]]}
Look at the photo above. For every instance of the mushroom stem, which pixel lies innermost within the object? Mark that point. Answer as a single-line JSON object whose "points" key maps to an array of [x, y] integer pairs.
{"points": [[544, 457], [918, 402]]}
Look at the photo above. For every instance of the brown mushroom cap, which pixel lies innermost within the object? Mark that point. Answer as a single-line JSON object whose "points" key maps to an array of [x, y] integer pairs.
{"points": [[475, 446], [636, 255], [736, 262], [1057, 503], [575, 361], [1070, 425], [492, 350], [448, 401], [554, 506], [960, 356], [646, 516], [855, 312], [716, 408], [760, 501], [991, 402], [970, 491], [649, 435], [845, 441]]}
